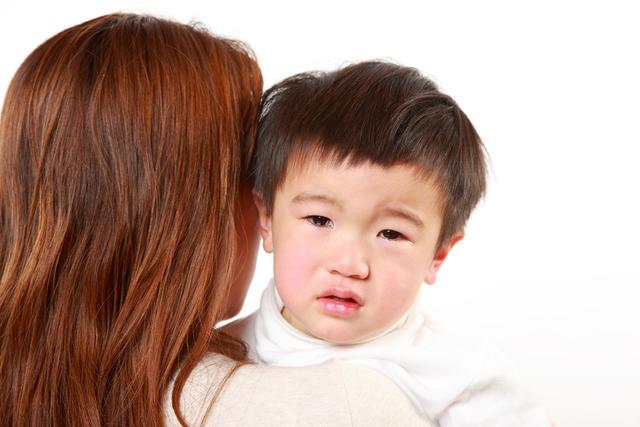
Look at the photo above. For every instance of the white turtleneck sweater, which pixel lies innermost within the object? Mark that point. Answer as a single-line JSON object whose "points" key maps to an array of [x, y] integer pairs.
{"points": [[452, 381]]}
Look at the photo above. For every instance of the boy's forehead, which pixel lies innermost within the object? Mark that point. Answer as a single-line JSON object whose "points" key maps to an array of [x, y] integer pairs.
{"points": [[302, 165], [307, 172]]}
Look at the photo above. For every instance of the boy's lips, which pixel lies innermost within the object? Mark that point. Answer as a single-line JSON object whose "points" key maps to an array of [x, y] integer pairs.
{"points": [[342, 294], [340, 302]]}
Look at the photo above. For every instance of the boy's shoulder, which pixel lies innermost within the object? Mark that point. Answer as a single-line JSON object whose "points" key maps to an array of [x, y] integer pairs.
{"points": [[479, 383]]}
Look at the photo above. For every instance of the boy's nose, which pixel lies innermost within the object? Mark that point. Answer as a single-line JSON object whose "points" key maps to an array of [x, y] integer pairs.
{"points": [[350, 261]]}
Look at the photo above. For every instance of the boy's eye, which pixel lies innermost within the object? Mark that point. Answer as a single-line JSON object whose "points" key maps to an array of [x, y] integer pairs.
{"points": [[391, 235], [319, 221]]}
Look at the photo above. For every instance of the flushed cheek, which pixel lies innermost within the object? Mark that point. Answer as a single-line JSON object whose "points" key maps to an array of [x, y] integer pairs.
{"points": [[397, 290], [397, 293], [408, 270], [390, 309], [294, 268], [397, 302], [387, 316]]}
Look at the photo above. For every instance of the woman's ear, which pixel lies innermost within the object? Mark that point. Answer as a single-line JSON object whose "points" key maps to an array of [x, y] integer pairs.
{"points": [[441, 255], [264, 220]]}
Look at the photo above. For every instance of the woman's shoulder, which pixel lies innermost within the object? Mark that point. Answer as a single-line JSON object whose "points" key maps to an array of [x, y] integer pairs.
{"points": [[331, 394]]}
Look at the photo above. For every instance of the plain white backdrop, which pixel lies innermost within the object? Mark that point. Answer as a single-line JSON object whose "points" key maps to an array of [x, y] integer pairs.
{"points": [[549, 267]]}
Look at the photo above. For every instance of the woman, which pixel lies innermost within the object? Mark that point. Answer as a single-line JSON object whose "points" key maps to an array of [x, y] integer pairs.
{"points": [[127, 232]]}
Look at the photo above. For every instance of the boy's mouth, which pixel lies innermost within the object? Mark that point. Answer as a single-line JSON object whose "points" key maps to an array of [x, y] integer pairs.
{"points": [[342, 295], [335, 298], [341, 302]]}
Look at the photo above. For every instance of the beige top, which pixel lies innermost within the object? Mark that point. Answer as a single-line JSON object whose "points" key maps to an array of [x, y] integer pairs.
{"points": [[331, 394]]}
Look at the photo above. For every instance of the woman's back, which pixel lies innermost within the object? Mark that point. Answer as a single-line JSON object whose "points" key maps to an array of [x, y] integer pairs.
{"points": [[124, 144]]}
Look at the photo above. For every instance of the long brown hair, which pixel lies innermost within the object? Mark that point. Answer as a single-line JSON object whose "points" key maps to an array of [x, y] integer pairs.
{"points": [[124, 143]]}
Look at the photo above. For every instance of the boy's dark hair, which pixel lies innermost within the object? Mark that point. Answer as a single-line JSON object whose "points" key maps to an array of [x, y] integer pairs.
{"points": [[372, 111]]}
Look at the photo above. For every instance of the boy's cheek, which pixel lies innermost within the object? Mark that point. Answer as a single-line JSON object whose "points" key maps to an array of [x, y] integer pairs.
{"points": [[400, 281], [294, 265], [407, 267]]}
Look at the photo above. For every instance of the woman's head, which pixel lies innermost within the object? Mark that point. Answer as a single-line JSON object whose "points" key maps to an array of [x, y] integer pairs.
{"points": [[124, 145]]}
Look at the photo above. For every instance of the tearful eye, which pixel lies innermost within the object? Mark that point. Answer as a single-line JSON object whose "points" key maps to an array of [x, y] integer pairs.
{"points": [[391, 235], [319, 221]]}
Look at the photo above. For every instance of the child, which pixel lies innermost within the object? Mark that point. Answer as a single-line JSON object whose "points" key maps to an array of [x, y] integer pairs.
{"points": [[364, 180]]}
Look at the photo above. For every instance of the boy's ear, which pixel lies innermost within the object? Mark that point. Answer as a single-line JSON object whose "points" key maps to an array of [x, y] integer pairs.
{"points": [[441, 255], [264, 221]]}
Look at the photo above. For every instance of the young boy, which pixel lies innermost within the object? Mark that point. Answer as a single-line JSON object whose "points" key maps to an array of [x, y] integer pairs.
{"points": [[364, 180]]}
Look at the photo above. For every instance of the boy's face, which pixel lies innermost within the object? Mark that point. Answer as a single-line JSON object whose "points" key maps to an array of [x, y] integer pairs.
{"points": [[352, 245]]}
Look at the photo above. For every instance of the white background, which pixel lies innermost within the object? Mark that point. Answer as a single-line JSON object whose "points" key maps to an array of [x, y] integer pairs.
{"points": [[549, 267]]}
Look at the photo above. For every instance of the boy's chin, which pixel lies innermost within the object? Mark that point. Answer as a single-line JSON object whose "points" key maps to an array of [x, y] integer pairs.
{"points": [[334, 331]]}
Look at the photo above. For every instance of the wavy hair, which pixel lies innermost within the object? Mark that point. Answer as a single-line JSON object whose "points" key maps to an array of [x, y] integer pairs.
{"points": [[124, 144]]}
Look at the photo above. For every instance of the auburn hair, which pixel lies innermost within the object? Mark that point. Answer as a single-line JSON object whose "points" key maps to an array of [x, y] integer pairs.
{"points": [[124, 143], [376, 112]]}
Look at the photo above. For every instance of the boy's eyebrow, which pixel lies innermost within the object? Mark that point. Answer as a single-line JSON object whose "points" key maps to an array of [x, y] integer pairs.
{"points": [[403, 213], [314, 197]]}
